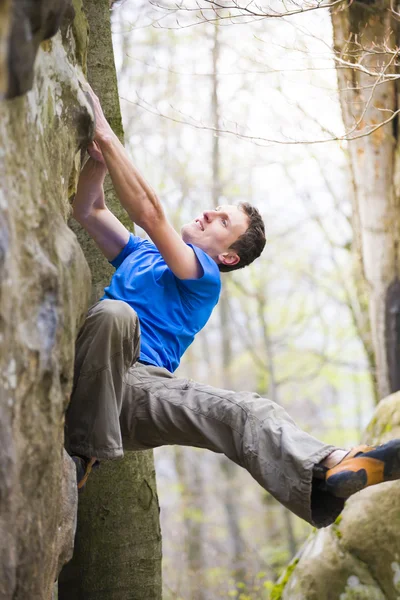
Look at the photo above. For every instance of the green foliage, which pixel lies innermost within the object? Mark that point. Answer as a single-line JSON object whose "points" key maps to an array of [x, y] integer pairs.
{"points": [[254, 591], [195, 514]]}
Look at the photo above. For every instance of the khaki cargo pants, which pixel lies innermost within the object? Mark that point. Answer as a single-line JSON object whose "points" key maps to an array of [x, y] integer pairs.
{"points": [[118, 403]]}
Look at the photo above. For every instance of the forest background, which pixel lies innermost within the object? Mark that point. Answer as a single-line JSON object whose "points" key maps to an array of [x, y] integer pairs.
{"points": [[227, 111]]}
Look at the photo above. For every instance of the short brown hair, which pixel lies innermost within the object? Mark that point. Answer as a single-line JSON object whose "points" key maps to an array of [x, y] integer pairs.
{"points": [[251, 243]]}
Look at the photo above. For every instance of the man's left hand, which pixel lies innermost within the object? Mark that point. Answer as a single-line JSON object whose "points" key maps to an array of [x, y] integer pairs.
{"points": [[94, 152]]}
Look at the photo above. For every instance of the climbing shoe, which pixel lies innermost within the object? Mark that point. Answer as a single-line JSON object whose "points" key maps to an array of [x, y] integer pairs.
{"points": [[363, 466], [84, 467]]}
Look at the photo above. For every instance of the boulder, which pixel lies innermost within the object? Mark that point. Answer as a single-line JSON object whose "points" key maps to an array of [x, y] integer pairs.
{"points": [[44, 286]]}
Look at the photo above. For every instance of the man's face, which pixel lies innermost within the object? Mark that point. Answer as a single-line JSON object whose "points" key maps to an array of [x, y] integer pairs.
{"points": [[214, 231]]}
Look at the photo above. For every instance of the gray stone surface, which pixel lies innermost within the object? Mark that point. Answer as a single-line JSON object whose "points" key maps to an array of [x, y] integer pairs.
{"points": [[44, 293]]}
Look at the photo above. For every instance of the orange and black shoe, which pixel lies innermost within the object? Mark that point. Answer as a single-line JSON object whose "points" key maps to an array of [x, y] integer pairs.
{"points": [[84, 467], [363, 466]]}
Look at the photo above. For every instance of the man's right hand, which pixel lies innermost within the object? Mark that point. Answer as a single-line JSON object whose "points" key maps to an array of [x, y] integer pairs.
{"points": [[103, 130]]}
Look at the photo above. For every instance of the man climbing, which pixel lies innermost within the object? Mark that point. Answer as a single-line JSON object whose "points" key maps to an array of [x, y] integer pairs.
{"points": [[162, 293]]}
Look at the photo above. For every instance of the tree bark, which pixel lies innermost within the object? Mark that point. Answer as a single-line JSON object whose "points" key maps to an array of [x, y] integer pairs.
{"points": [[117, 553], [359, 29]]}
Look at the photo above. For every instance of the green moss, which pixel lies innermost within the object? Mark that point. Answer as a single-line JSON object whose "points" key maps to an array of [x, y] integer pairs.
{"points": [[80, 30], [337, 532], [372, 423], [46, 45], [380, 425], [277, 590], [335, 527], [101, 69]]}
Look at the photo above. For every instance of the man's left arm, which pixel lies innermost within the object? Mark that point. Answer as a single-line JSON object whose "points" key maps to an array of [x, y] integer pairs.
{"points": [[141, 202]]}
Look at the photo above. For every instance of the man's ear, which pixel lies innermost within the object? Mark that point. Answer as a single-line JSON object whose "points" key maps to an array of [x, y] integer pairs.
{"points": [[229, 258]]}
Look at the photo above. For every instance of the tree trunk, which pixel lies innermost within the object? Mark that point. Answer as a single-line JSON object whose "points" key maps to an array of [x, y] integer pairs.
{"points": [[228, 469], [358, 30], [117, 553], [192, 487], [273, 394]]}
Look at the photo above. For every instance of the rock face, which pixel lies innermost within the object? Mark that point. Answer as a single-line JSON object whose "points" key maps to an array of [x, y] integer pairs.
{"points": [[357, 558], [29, 23], [45, 287]]}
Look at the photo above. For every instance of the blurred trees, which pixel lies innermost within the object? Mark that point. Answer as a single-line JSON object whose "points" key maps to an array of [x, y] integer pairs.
{"points": [[292, 326]]}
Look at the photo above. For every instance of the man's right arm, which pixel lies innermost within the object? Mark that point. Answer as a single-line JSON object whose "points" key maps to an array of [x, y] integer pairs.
{"points": [[140, 202], [90, 210]]}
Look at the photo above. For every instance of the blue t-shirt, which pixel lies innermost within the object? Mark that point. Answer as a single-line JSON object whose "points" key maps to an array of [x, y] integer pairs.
{"points": [[171, 311]]}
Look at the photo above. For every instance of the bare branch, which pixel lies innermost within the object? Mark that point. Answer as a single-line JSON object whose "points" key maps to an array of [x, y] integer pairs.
{"points": [[262, 141], [234, 11]]}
